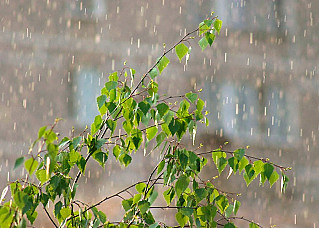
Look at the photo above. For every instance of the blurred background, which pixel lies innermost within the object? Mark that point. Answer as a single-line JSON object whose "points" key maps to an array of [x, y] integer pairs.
{"points": [[259, 81]]}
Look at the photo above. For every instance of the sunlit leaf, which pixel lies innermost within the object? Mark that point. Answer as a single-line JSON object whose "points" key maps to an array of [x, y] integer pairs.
{"points": [[164, 61], [30, 165], [181, 219], [273, 178], [181, 50], [151, 132], [218, 25]]}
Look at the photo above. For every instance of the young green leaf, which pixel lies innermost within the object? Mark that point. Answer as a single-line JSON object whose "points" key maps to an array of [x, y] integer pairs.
{"points": [[218, 25], [273, 178], [192, 97], [111, 124], [18, 162], [41, 131], [236, 206], [140, 187], [229, 225], [181, 219], [239, 154], [164, 61], [268, 169], [30, 165], [202, 27], [181, 50], [210, 37], [253, 225], [181, 185], [143, 205], [151, 132], [101, 101], [162, 109], [100, 157], [203, 43], [169, 195]]}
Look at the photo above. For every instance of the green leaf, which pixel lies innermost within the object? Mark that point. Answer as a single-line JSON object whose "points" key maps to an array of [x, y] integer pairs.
{"points": [[41, 131], [210, 37], [218, 25], [173, 126], [153, 73], [258, 166], [217, 155], [236, 206], [203, 28], [181, 219], [140, 187], [229, 210], [42, 175], [127, 204], [110, 85], [221, 164], [239, 154], [249, 174], [162, 109], [151, 132], [32, 215], [187, 211], [102, 217], [160, 138], [253, 225], [31, 165], [222, 203], [169, 195], [137, 198], [65, 213], [155, 225], [111, 124], [200, 105], [100, 157], [201, 194], [164, 61], [113, 76], [127, 125], [143, 205], [18, 162], [181, 50], [208, 22], [268, 170], [101, 101], [144, 106], [203, 43], [126, 159], [181, 185], [160, 167], [242, 164], [153, 197], [273, 178], [192, 97], [229, 225], [233, 163]]}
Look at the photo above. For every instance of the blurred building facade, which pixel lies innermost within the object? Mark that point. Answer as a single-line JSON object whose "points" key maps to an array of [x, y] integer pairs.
{"points": [[259, 79]]}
